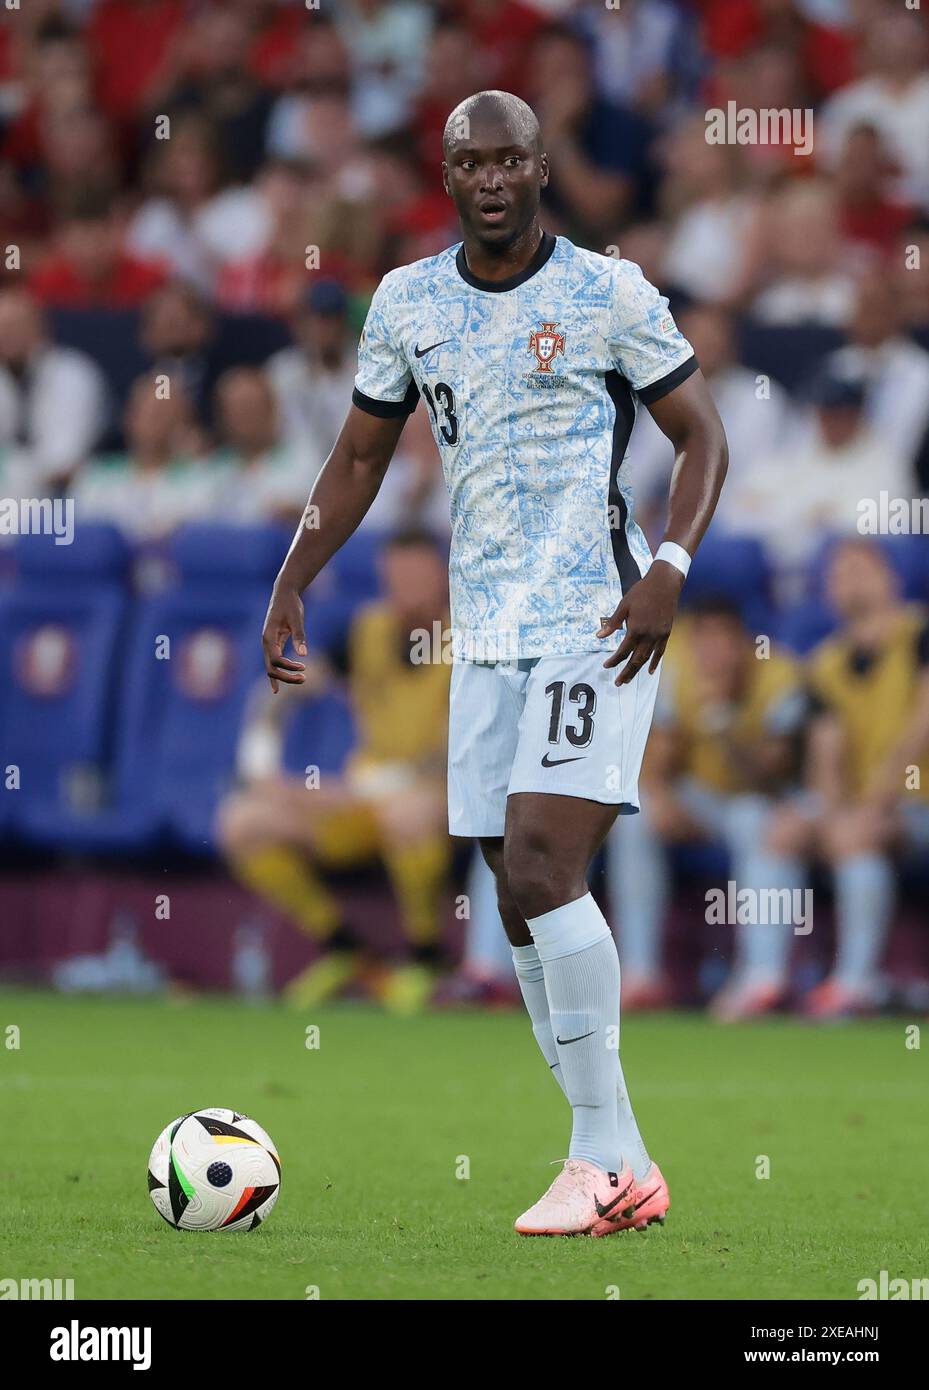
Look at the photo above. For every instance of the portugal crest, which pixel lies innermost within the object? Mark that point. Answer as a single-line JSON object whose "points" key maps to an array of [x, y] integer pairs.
{"points": [[546, 342]]}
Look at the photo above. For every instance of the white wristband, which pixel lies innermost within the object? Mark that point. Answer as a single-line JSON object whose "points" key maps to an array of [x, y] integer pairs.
{"points": [[675, 555]]}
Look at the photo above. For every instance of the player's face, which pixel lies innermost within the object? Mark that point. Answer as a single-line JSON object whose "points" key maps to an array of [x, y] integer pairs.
{"points": [[495, 181]]}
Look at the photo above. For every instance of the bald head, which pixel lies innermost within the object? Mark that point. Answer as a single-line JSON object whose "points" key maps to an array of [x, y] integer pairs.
{"points": [[504, 115], [494, 170]]}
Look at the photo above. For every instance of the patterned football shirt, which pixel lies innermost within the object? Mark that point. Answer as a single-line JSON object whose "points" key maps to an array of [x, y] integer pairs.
{"points": [[532, 385]]}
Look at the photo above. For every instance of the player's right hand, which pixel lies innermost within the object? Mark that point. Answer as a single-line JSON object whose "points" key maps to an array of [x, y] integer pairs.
{"points": [[284, 619]]}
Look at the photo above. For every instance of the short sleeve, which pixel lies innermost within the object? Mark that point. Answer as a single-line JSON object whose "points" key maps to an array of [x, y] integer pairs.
{"points": [[384, 384], [646, 345]]}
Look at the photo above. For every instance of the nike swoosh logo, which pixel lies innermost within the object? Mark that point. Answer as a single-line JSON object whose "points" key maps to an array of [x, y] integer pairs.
{"points": [[564, 1041], [556, 762], [604, 1211], [423, 352], [648, 1196]]}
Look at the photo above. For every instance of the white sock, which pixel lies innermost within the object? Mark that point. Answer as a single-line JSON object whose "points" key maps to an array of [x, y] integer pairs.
{"points": [[630, 1140], [532, 986], [531, 979], [581, 970]]}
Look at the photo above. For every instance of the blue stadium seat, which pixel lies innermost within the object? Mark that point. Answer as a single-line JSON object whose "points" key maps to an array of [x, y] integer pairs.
{"points": [[213, 556], [734, 567], [58, 653], [98, 555], [804, 627], [355, 565], [177, 727]]}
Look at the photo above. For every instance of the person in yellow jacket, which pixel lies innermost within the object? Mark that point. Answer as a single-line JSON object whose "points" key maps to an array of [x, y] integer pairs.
{"points": [[724, 748], [280, 834], [868, 766]]}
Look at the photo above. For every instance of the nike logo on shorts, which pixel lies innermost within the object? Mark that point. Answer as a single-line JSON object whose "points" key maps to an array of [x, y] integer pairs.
{"points": [[556, 762]]}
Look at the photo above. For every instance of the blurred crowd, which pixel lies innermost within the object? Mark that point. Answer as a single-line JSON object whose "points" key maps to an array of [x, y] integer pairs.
{"points": [[198, 198], [172, 163]]}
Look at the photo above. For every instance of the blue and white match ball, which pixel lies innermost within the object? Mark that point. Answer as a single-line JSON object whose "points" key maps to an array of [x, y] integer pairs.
{"points": [[214, 1170]]}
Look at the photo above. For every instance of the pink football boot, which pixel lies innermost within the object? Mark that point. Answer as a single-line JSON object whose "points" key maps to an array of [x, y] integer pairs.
{"points": [[579, 1202], [651, 1202]]}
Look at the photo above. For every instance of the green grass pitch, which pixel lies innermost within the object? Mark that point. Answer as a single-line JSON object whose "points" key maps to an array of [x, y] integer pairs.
{"points": [[374, 1126]]}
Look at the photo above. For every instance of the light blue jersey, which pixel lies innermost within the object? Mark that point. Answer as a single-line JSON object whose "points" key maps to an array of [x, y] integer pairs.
{"points": [[531, 384]]}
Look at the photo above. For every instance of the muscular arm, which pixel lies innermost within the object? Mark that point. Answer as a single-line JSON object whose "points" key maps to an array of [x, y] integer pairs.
{"points": [[688, 417], [341, 495]]}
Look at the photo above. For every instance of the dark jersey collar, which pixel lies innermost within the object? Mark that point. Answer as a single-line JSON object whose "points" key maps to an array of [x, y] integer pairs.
{"points": [[545, 248]]}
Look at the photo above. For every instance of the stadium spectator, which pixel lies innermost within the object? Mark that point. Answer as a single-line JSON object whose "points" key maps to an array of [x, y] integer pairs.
{"points": [[132, 42], [275, 31], [908, 270], [598, 150], [453, 70], [53, 400], [157, 484], [313, 380], [209, 72], [871, 215], [89, 267], [709, 212], [386, 44], [819, 485], [723, 749], [299, 208], [389, 804], [797, 255], [892, 95], [177, 334], [55, 80], [758, 416], [190, 222], [501, 34], [868, 767], [256, 477], [646, 53], [894, 368], [80, 161]]}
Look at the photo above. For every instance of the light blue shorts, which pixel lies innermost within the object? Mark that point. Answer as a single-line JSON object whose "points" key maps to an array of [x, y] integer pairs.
{"points": [[555, 724]]}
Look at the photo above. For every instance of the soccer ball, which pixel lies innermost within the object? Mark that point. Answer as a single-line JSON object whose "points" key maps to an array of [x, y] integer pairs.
{"points": [[214, 1170]]}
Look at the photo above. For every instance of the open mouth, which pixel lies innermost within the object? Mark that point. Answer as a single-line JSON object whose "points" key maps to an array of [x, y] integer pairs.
{"points": [[493, 210]]}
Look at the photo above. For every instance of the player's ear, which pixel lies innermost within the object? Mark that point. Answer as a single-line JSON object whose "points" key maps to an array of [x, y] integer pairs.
{"points": [[445, 178], [543, 165]]}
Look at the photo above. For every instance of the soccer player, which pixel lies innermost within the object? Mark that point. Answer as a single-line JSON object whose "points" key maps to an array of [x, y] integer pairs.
{"points": [[530, 355]]}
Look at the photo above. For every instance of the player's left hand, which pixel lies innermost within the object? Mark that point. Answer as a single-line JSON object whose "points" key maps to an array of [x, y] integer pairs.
{"points": [[647, 612]]}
